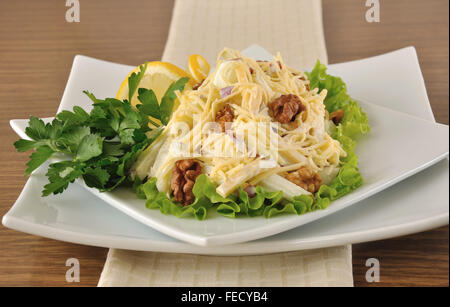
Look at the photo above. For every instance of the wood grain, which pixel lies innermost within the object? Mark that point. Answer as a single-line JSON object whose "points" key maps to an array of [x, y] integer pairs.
{"points": [[422, 24], [36, 52]]}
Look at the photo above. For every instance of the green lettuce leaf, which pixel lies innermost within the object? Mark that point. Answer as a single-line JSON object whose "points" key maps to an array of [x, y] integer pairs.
{"points": [[263, 203], [205, 196], [353, 124], [355, 121], [299, 205]]}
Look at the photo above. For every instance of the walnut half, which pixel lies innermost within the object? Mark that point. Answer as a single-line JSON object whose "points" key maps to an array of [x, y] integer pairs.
{"points": [[184, 174], [305, 178], [285, 108], [224, 116], [337, 116]]}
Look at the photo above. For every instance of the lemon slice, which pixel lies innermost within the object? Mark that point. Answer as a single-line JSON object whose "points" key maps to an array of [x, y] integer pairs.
{"points": [[158, 77], [198, 67]]}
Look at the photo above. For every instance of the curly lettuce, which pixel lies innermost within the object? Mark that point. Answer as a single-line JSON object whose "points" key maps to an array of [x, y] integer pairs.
{"points": [[269, 204], [264, 203], [354, 123]]}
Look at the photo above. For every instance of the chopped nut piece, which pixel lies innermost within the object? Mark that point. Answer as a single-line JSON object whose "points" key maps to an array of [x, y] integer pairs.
{"points": [[225, 115], [184, 174], [337, 116], [306, 85], [285, 108], [305, 178], [195, 87]]}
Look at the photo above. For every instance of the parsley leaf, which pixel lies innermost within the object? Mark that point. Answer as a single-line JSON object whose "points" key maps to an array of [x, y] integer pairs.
{"points": [[150, 106], [101, 146], [72, 138], [149, 102], [60, 175], [25, 145], [168, 99], [90, 147], [134, 80], [42, 154], [75, 118], [37, 129], [95, 177]]}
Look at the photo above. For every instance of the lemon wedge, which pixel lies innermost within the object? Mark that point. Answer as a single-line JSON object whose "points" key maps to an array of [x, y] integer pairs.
{"points": [[158, 77], [198, 67]]}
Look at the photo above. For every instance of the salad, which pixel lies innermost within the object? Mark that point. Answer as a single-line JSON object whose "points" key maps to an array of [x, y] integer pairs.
{"points": [[251, 138]]}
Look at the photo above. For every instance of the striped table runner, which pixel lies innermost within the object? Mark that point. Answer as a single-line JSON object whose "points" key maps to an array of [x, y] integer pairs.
{"points": [[294, 28]]}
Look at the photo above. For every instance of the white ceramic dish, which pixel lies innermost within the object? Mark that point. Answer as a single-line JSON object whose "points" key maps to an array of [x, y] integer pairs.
{"points": [[406, 58]]}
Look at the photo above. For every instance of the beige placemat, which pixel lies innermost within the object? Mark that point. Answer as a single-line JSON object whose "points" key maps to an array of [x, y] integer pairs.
{"points": [[293, 27]]}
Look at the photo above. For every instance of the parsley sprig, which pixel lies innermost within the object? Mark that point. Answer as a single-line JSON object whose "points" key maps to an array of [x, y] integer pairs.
{"points": [[103, 144]]}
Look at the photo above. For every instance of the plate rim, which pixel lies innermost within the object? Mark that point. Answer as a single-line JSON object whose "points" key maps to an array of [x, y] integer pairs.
{"points": [[245, 248]]}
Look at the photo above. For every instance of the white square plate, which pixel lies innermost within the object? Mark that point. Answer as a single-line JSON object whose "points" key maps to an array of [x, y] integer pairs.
{"points": [[397, 156]]}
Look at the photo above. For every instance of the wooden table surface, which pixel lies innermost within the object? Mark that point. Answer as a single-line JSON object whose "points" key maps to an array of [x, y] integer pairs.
{"points": [[37, 47]]}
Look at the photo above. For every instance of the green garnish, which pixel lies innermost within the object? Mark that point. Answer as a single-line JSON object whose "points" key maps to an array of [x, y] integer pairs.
{"points": [[354, 124], [265, 203], [150, 106], [134, 80], [103, 144]]}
